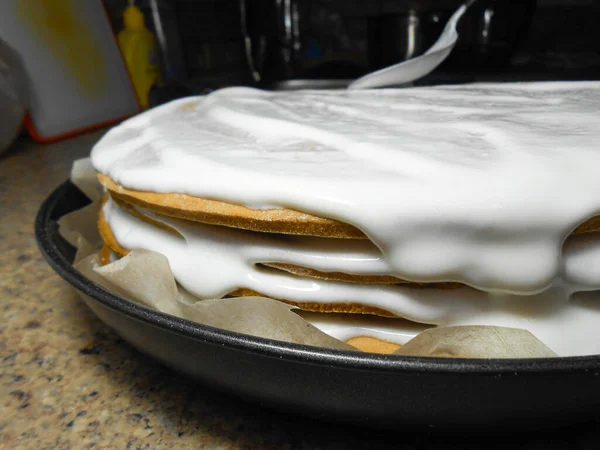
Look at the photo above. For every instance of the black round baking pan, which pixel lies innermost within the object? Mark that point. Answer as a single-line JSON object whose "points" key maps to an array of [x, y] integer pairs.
{"points": [[362, 388]]}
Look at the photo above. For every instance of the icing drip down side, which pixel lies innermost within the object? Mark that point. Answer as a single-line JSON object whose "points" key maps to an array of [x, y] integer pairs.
{"points": [[209, 263]]}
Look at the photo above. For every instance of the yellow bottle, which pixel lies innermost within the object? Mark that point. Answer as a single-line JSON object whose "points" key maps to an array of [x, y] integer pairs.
{"points": [[140, 52]]}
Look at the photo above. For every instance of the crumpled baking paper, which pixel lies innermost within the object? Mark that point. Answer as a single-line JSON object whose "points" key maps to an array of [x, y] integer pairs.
{"points": [[475, 342], [145, 277]]}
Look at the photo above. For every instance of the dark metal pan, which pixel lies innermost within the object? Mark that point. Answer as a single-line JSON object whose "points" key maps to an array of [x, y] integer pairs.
{"points": [[365, 389]]}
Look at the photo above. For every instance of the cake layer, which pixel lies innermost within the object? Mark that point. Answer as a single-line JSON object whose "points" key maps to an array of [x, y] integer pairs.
{"points": [[281, 220], [368, 333], [215, 212]]}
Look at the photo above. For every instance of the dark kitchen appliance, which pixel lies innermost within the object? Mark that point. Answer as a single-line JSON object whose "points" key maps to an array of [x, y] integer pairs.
{"points": [[324, 43]]}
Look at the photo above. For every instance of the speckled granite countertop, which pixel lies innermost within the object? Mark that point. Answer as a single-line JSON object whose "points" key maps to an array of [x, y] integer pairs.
{"points": [[68, 381]]}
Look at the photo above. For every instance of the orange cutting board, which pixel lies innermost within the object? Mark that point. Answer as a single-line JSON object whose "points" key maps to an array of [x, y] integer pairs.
{"points": [[76, 77]]}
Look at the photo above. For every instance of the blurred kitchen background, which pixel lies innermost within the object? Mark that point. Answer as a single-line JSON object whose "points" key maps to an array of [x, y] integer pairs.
{"points": [[210, 43], [202, 45]]}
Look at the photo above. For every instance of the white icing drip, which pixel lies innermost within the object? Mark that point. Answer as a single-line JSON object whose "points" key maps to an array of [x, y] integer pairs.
{"points": [[210, 263], [352, 256], [479, 184]]}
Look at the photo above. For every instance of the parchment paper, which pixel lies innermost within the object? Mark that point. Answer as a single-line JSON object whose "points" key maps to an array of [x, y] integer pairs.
{"points": [[145, 277], [475, 342]]}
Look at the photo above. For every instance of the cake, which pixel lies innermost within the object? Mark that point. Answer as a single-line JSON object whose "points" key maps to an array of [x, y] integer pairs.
{"points": [[474, 204]]}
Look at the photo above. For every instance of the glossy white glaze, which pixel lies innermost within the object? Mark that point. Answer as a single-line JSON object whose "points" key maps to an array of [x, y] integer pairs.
{"points": [[479, 183]]}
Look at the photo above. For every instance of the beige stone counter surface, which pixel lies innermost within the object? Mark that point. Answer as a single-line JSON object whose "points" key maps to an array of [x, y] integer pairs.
{"points": [[67, 381]]}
